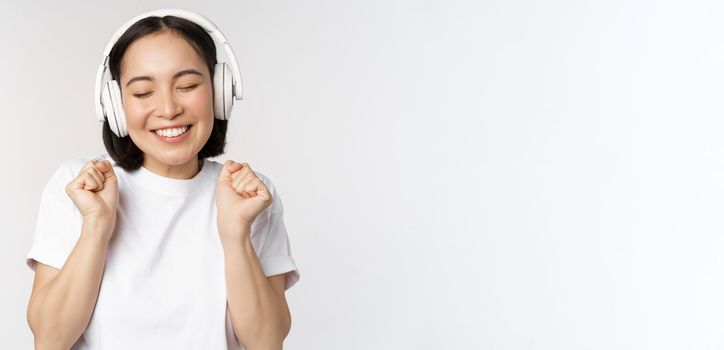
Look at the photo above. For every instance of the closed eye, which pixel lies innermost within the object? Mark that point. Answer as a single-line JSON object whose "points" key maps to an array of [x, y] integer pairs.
{"points": [[190, 87], [186, 88]]}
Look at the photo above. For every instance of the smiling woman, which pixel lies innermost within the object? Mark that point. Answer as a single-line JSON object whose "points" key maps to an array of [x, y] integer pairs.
{"points": [[153, 245], [164, 68], [160, 92]]}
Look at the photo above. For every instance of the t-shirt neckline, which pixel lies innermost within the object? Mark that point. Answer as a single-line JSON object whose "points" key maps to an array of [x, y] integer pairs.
{"points": [[170, 186]]}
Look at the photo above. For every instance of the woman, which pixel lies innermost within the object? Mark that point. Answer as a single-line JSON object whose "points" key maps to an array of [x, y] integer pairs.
{"points": [[153, 246]]}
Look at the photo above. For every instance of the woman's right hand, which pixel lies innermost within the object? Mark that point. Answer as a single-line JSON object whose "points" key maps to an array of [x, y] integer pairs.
{"points": [[95, 191]]}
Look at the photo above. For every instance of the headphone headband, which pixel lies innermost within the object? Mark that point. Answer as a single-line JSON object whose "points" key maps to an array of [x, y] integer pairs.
{"points": [[104, 71]]}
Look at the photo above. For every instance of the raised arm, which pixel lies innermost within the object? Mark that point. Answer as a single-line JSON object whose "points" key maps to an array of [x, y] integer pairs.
{"points": [[62, 301]]}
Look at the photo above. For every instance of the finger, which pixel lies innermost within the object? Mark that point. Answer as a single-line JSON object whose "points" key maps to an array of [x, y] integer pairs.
{"points": [[263, 190], [252, 186], [237, 179], [87, 165], [233, 166], [249, 189], [260, 187], [247, 184], [245, 169], [238, 185], [242, 170], [227, 171], [98, 176], [88, 182], [80, 182], [106, 169]]}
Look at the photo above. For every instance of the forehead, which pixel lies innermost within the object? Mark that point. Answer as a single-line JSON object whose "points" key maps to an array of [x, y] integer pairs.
{"points": [[160, 55]]}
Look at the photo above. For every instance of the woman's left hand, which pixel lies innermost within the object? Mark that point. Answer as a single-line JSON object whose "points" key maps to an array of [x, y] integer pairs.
{"points": [[240, 197]]}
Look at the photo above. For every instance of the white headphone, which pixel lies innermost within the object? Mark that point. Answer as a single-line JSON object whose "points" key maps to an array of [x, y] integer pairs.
{"points": [[227, 83]]}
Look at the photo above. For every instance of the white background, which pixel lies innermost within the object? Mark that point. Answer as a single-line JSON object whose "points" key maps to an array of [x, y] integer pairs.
{"points": [[456, 175]]}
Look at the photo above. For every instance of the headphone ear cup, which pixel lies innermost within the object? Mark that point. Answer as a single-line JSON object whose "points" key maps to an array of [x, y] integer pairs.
{"points": [[223, 91], [117, 105], [107, 106]]}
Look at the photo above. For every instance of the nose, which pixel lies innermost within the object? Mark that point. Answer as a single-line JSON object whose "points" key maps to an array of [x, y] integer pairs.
{"points": [[169, 107]]}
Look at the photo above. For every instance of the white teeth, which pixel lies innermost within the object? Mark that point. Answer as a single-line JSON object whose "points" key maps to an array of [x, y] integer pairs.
{"points": [[172, 132]]}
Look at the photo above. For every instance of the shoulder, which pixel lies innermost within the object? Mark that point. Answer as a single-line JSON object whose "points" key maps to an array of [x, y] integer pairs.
{"points": [[69, 169]]}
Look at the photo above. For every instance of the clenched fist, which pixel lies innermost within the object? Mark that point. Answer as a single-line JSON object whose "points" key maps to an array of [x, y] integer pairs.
{"points": [[95, 191], [240, 197]]}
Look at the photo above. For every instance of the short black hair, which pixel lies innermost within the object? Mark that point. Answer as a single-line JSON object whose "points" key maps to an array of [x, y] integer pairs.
{"points": [[122, 149]]}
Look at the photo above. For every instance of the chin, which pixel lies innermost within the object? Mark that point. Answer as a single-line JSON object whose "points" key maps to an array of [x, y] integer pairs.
{"points": [[180, 160], [174, 159]]}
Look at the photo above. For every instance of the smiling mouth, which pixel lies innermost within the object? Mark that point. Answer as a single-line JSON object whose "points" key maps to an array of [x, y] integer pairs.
{"points": [[172, 132]]}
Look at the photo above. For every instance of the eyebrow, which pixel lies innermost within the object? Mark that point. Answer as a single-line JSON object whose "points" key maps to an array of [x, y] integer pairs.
{"points": [[175, 76]]}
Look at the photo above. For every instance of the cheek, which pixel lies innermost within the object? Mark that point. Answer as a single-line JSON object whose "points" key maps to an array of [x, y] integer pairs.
{"points": [[201, 102], [134, 108], [135, 120]]}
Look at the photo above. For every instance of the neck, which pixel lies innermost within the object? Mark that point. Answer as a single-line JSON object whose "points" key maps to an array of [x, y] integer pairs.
{"points": [[174, 171]]}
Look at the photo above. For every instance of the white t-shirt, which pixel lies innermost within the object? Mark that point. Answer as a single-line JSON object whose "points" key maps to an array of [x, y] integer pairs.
{"points": [[164, 285]]}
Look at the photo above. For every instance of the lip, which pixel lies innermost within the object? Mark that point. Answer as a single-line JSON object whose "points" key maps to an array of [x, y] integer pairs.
{"points": [[176, 139]]}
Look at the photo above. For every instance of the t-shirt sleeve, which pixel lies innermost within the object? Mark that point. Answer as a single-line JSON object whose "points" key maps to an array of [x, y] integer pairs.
{"points": [[271, 241], [58, 224]]}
